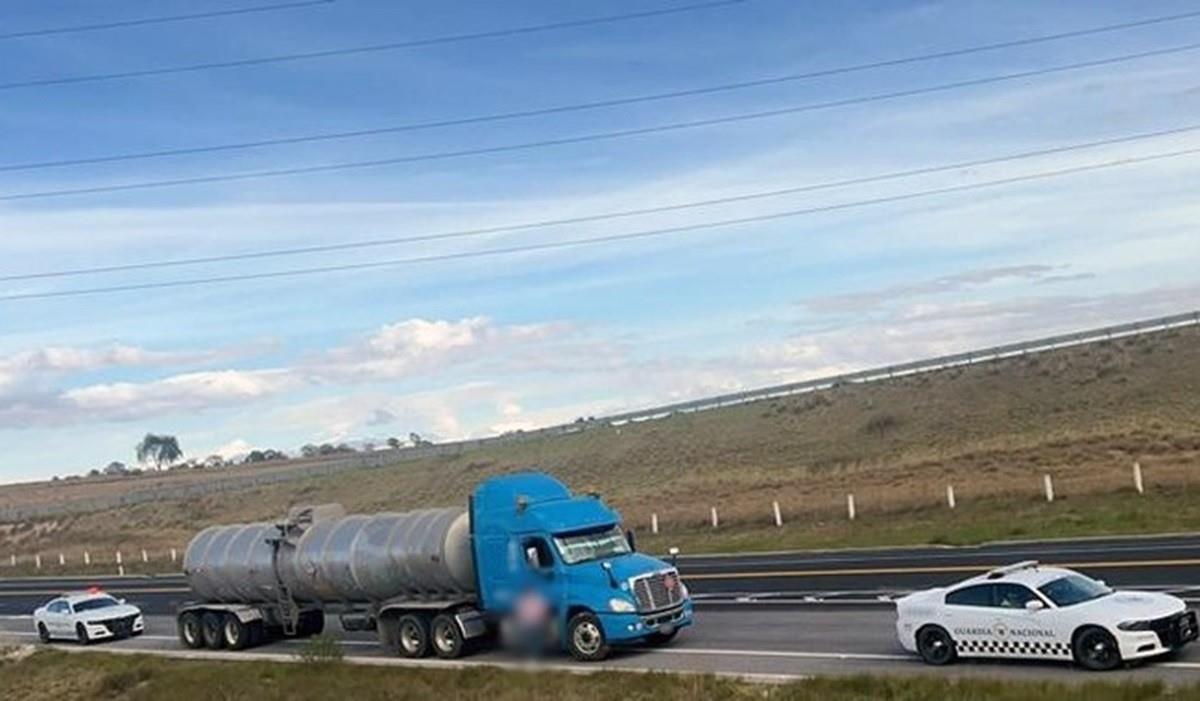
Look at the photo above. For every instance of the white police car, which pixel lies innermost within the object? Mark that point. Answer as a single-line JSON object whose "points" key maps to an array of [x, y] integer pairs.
{"points": [[87, 616], [1048, 613]]}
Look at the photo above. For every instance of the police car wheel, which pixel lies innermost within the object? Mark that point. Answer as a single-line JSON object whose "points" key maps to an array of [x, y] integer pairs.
{"points": [[585, 638], [1096, 649], [81, 634], [935, 646], [43, 633]]}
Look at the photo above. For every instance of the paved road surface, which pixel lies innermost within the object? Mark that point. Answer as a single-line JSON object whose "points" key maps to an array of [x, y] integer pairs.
{"points": [[776, 614]]}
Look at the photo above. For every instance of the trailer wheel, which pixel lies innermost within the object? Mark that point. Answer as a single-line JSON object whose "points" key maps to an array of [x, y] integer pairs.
{"points": [[585, 638], [236, 635], [412, 635], [448, 642], [210, 629], [188, 625], [310, 623]]}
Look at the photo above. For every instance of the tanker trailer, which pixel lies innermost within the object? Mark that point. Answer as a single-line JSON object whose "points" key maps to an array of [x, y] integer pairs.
{"points": [[435, 580]]}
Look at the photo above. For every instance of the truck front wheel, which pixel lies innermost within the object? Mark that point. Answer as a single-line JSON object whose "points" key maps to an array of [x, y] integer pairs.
{"points": [[585, 638], [447, 638]]}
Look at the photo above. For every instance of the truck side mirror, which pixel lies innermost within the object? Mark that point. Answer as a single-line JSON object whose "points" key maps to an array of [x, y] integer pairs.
{"points": [[631, 540]]}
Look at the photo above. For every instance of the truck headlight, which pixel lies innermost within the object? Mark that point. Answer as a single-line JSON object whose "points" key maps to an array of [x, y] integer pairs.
{"points": [[621, 606], [1134, 625]]}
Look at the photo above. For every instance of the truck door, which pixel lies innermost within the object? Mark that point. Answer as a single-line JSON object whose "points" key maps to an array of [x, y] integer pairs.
{"points": [[545, 575]]}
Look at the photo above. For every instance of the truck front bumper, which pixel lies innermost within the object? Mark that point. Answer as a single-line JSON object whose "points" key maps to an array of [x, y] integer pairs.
{"points": [[627, 628]]}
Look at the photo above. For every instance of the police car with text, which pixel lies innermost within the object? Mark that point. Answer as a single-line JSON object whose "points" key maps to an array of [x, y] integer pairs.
{"points": [[87, 616], [1049, 613]]}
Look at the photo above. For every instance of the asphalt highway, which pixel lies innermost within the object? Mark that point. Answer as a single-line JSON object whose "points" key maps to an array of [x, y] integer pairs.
{"points": [[775, 615]]}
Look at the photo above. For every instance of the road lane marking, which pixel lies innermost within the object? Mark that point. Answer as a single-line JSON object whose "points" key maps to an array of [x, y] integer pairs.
{"points": [[781, 653], [939, 569]]}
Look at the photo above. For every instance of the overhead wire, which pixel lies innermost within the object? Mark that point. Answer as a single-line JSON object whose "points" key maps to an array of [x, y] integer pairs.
{"points": [[608, 216], [595, 240], [596, 104], [593, 137]]}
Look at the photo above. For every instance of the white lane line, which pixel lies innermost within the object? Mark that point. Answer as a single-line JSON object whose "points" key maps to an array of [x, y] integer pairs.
{"points": [[781, 653]]}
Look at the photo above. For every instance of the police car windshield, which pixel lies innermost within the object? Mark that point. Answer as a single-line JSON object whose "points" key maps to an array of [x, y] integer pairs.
{"points": [[1073, 589], [100, 602], [582, 547]]}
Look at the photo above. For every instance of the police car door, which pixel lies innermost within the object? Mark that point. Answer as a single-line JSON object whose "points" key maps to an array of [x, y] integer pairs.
{"points": [[1024, 625], [58, 617], [969, 617]]}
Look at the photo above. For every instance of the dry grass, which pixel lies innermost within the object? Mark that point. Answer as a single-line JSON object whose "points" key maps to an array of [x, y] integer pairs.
{"points": [[1083, 414], [54, 676]]}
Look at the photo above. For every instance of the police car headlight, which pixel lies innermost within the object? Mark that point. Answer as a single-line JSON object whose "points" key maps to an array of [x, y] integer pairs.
{"points": [[621, 606], [1134, 625]]}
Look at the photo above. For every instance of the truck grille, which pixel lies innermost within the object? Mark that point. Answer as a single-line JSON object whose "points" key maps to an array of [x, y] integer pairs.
{"points": [[657, 591], [1176, 630], [122, 626]]}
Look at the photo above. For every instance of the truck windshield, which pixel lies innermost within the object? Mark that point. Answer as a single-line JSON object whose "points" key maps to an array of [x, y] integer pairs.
{"points": [[1073, 589], [582, 547]]}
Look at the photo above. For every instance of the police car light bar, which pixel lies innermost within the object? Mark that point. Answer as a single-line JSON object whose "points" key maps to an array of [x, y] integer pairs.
{"points": [[1009, 569]]}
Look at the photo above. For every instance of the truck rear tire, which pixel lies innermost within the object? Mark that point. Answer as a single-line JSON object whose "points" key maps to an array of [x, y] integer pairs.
{"points": [[236, 635], [412, 635], [188, 625], [585, 638], [447, 639], [211, 624]]}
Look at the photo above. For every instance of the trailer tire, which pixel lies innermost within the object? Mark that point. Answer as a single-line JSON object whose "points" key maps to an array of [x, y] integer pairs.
{"points": [[585, 638], [235, 634], [446, 638], [210, 629], [188, 625], [412, 635], [310, 623]]}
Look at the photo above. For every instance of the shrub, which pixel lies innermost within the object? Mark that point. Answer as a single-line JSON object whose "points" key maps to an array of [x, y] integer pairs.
{"points": [[321, 649]]}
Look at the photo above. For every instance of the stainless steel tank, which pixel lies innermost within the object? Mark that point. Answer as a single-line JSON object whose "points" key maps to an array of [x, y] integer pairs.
{"points": [[423, 554]]}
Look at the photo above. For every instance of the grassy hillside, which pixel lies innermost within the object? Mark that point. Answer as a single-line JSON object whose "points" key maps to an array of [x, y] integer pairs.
{"points": [[1082, 414]]}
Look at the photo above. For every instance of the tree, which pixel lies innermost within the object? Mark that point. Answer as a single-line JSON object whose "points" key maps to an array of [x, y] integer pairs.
{"points": [[309, 450], [393, 442], [116, 468], [418, 441], [163, 450]]}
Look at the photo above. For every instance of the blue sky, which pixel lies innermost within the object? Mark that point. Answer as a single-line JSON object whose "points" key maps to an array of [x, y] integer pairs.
{"points": [[478, 345]]}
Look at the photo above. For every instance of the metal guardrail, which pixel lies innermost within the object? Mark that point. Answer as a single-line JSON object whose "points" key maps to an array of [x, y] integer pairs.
{"points": [[249, 480]]}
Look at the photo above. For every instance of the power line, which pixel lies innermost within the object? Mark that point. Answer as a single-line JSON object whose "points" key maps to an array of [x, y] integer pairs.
{"points": [[374, 48], [163, 19], [602, 216], [599, 104], [594, 137], [610, 238]]}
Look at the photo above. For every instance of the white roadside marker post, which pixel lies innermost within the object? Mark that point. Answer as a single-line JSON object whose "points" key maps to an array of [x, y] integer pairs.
{"points": [[950, 500], [37, 561], [1049, 484], [653, 525], [145, 557], [172, 554], [87, 558], [778, 516], [850, 506], [12, 560], [118, 557], [715, 522], [62, 559], [1137, 478]]}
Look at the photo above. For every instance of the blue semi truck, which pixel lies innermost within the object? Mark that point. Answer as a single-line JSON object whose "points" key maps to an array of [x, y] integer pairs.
{"points": [[440, 581]]}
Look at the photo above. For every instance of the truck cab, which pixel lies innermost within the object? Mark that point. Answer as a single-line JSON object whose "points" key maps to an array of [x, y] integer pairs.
{"points": [[532, 537]]}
